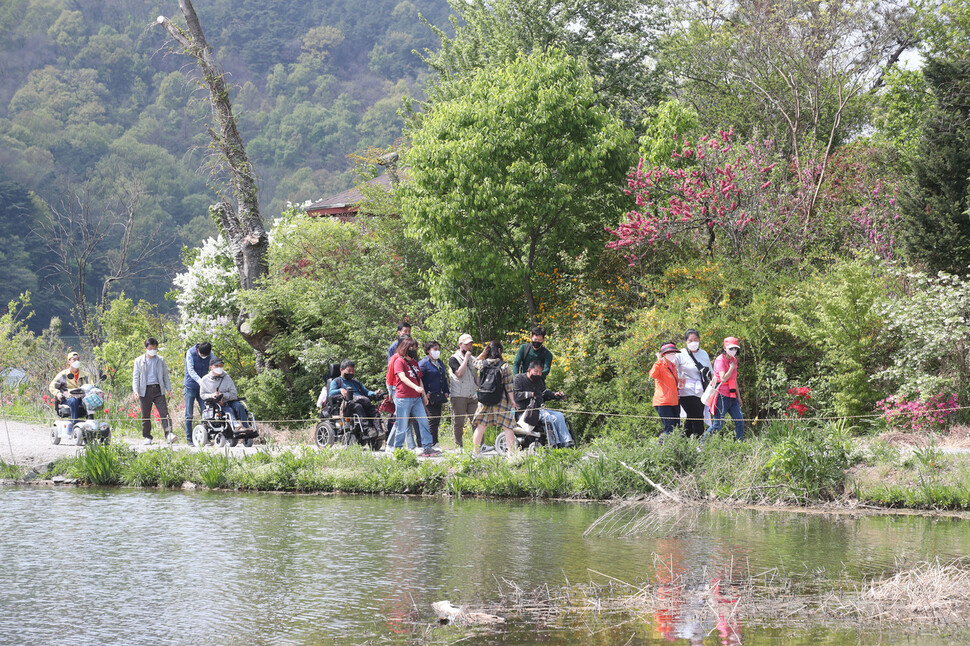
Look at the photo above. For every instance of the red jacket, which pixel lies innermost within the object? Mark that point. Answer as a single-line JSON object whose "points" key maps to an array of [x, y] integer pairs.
{"points": [[665, 376]]}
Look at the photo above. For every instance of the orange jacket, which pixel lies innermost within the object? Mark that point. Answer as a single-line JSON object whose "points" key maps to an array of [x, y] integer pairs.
{"points": [[665, 376]]}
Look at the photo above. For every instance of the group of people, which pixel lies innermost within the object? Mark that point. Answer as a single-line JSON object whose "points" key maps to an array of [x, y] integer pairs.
{"points": [[483, 391], [683, 375], [205, 377]]}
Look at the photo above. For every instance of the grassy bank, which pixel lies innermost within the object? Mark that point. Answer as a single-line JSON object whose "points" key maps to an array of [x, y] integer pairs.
{"points": [[784, 464]]}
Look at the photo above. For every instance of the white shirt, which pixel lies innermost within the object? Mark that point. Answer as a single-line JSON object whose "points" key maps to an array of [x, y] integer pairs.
{"points": [[693, 387]]}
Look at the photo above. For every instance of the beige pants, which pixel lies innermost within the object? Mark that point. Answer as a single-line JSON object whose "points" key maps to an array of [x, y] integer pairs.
{"points": [[462, 409]]}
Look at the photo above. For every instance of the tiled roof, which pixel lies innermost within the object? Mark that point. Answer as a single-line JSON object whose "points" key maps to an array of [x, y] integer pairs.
{"points": [[352, 196]]}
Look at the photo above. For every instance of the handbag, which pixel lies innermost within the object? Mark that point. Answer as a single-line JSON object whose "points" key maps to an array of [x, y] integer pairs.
{"points": [[437, 399], [704, 371], [386, 406], [709, 393]]}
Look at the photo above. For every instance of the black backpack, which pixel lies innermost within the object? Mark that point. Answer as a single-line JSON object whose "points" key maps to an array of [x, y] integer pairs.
{"points": [[490, 386]]}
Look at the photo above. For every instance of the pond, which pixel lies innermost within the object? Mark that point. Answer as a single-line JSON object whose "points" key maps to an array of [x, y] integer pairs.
{"points": [[84, 566]]}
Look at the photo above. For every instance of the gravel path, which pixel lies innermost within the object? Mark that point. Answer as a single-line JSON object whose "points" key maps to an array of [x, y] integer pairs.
{"points": [[30, 444]]}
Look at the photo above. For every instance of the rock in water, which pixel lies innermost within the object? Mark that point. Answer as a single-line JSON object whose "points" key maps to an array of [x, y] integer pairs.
{"points": [[448, 613]]}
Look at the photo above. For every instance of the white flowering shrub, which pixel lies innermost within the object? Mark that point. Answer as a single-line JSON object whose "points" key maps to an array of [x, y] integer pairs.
{"points": [[926, 323], [206, 291]]}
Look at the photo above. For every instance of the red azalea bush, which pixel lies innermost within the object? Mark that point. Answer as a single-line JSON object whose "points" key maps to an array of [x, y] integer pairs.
{"points": [[799, 403], [918, 415]]}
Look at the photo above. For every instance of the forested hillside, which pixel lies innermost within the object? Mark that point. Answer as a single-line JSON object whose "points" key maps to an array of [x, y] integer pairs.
{"points": [[105, 126]]}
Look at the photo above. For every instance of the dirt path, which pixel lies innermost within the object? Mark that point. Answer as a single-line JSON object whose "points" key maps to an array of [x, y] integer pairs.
{"points": [[30, 444]]}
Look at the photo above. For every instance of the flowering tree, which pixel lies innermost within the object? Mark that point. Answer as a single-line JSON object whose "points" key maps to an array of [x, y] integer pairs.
{"points": [[710, 188]]}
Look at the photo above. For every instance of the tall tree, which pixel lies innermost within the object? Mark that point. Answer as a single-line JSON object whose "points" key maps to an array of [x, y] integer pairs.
{"points": [[937, 205], [241, 224], [521, 168], [617, 39]]}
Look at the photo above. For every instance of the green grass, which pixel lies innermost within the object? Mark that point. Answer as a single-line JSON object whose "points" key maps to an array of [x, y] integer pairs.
{"points": [[784, 463]]}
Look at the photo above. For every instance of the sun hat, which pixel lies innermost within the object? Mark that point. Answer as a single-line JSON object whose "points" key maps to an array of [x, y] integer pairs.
{"points": [[465, 338], [216, 361], [668, 347], [72, 354], [732, 342]]}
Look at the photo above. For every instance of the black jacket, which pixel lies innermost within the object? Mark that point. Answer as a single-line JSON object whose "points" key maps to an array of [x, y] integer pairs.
{"points": [[525, 389]]}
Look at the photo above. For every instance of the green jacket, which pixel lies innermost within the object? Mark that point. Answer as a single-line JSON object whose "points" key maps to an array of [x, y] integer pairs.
{"points": [[527, 355]]}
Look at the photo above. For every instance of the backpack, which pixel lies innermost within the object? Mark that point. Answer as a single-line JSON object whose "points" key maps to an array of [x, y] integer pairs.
{"points": [[490, 386]]}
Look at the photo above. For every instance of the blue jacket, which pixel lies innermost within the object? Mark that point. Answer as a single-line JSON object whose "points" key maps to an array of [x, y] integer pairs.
{"points": [[434, 376], [195, 367], [350, 384], [391, 350]]}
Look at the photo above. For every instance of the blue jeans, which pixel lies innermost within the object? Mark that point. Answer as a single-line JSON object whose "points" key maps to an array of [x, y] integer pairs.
{"points": [[726, 406], [670, 416], [191, 398], [405, 409], [74, 403], [236, 411], [556, 424]]}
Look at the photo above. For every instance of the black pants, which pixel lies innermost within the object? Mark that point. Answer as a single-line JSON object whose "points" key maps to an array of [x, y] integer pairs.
{"points": [[434, 420], [694, 424], [153, 395], [363, 407]]}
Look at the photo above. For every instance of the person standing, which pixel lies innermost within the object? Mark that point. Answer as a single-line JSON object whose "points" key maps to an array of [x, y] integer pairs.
{"points": [[666, 399], [403, 330], [435, 378], [533, 351], [71, 378], [409, 397], [695, 370], [197, 361], [150, 383], [462, 381], [728, 399], [495, 404]]}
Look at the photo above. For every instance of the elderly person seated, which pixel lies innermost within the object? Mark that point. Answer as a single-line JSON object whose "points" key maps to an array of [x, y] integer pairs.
{"points": [[71, 378], [529, 391], [357, 396], [217, 385]]}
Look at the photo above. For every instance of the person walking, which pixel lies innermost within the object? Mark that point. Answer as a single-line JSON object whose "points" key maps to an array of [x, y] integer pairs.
{"points": [[728, 399], [435, 378], [495, 403], [409, 397], [535, 350], [462, 382], [197, 361], [695, 371], [666, 399], [150, 383]]}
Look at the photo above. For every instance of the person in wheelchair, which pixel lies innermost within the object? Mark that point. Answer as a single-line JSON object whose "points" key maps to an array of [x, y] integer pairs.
{"points": [[529, 392], [218, 385], [358, 398], [67, 380]]}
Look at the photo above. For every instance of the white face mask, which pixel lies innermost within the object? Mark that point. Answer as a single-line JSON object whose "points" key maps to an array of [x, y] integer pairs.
{"points": [[731, 351], [693, 346], [435, 354], [671, 357], [151, 353], [217, 371], [75, 364]]}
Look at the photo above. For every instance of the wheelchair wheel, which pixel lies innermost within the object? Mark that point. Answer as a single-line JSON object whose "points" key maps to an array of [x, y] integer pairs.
{"points": [[248, 442], [200, 436], [349, 438], [55, 436], [501, 446], [325, 434], [233, 442], [78, 436], [219, 440]]}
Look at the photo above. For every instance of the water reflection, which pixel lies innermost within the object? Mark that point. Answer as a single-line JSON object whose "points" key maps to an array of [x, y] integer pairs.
{"points": [[149, 567]]}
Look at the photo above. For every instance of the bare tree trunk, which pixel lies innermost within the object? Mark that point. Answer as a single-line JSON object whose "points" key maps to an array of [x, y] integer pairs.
{"points": [[241, 222]]}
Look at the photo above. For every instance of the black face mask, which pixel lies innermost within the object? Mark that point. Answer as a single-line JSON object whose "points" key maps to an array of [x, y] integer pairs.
{"points": [[413, 354], [536, 344], [348, 375]]}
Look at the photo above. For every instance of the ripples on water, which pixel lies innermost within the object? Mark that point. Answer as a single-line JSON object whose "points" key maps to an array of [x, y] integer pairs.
{"points": [[152, 567]]}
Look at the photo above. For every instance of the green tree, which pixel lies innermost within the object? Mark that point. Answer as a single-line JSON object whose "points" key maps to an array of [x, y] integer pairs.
{"points": [[935, 207], [521, 168], [617, 38]]}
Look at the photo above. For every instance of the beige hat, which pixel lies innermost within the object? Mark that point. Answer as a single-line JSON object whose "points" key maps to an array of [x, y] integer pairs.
{"points": [[464, 338]]}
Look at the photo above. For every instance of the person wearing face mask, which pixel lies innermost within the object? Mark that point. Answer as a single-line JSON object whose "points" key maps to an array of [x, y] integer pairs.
{"points": [[218, 382], [695, 371], [357, 396], [463, 382], [533, 351], [666, 399], [529, 392], [197, 361], [728, 399], [67, 380], [150, 383], [435, 379], [409, 397]]}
